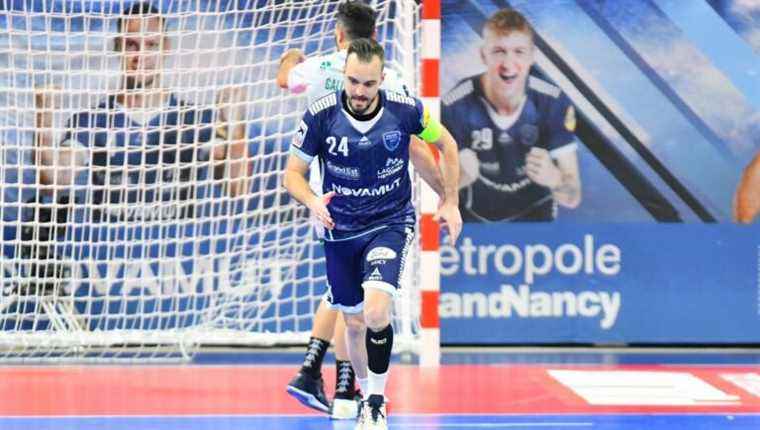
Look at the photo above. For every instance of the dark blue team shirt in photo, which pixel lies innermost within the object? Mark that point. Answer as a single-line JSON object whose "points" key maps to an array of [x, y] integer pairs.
{"points": [[364, 162], [503, 190], [142, 163]]}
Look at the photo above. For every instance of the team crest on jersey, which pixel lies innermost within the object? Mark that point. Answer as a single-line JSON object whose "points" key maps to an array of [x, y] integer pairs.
{"points": [[570, 120], [300, 135], [528, 134], [391, 140]]}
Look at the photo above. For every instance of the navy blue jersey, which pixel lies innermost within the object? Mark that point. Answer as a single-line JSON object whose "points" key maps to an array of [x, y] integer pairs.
{"points": [[365, 163], [142, 163], [503, 190]]}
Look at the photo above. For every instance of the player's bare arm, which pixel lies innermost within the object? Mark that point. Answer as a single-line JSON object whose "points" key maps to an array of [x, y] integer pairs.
{"points": [[561, 177], [448, 209], [295, 182], [56, 165], [231, 132], [426, 166], [289, 59], [747, 197]]}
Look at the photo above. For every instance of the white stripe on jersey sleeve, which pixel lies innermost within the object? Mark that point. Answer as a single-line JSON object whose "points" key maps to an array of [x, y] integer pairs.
{"points": [[300, 154]]}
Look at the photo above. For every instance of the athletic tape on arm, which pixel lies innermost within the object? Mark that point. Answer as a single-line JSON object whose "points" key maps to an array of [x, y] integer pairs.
{"points": [[433, 129]]}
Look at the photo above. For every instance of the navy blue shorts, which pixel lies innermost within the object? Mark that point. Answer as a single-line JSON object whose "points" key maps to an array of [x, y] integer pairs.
{"points": [[371, 259]]}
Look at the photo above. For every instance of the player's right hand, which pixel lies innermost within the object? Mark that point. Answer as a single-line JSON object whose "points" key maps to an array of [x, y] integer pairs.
{"points": [[293, 54], [450, 219], [318, 207]]}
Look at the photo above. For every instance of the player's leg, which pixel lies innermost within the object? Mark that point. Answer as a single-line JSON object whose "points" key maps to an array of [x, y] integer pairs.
{"points": [[355, 340], [308, 386], [344, 275], [346, 402], [383, 262], [357, 351], [379, 344]]}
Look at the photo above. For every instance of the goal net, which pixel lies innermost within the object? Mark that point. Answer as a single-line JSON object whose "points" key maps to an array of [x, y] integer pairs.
{"points": [[126, 234]]}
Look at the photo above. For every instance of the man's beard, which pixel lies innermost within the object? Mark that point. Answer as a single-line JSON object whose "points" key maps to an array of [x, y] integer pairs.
{"points": [[366, 107]]}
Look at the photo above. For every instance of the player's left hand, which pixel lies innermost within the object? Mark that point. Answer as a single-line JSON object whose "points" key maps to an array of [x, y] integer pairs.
{"points": [[541, 169], [448, 217]]}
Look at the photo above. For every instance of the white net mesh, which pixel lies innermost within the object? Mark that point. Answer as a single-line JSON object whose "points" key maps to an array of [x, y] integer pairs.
{"points": [[125, 232]]}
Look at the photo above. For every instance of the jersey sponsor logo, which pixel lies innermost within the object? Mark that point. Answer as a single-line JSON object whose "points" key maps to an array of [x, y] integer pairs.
{"points": [[381, 253], [300, 134], [344, 172], [391, 140], [528, 134], [367, 192], [323, 103], [393, 96], [570, 120], [506, 188], [392, 166]]}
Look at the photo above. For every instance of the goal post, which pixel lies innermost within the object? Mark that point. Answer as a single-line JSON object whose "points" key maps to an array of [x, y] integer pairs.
{"points": [[119, 245]]}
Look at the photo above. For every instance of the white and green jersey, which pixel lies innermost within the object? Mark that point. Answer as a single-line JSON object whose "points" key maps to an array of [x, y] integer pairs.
{"points": [[323, 74]]}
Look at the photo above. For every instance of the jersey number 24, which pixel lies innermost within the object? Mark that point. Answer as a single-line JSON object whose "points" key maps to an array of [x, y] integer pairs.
{"points": [[336, 147]]}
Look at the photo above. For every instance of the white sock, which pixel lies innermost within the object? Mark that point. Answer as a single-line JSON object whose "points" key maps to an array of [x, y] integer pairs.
{"points": [[376, 383], [364, 385]]}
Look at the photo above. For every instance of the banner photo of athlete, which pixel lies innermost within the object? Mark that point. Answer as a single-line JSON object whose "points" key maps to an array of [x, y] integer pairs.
{"points": [[627, 132], [603, 111]]}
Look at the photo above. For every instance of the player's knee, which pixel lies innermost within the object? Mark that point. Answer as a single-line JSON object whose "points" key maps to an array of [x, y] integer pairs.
{"points": [[377, 317], [354, 326]]}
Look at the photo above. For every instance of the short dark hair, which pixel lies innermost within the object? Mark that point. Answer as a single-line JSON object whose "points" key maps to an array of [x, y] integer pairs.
{"points": [[357, 19], [365, 49], [137, 9]]}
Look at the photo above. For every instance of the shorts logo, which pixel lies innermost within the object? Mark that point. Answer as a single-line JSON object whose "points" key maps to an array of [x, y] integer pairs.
{"points": [[381, 253], [375, 276], [391, 140], [300, 135]]}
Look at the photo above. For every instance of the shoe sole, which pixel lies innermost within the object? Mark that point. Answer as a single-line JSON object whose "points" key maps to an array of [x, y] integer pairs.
{"points": [[307, 399], [346, 410]]}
